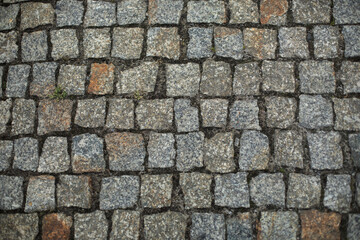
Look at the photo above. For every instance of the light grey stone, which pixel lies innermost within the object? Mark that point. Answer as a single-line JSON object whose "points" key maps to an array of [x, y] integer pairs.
{"points": [[200, 43], [186, 116], [54, 157], [350, 76], [247, 79], [100, 13], [64, 44], [346, 11], [97, 42], [74, 191], [206, 12], [292, 41], [288, 149], [5, 114], [304, 191], [214, 112], [278, 76], [351, 36], [243, 11], [131, 12], [326, 41], [91, 226], [125, 225], [244, 115], [279, 225], [69, 13], [17, 80], [120, 114], [90, 113], [156, 190], [8, 17], [72, 79], [189, 151], [161, 150], [347, 112], [155, 114], [8, 47], [315, 112], [6, 149], [280, 111], [216, 78], [228, 42], [127, 43], [207, 226], [165, 12], [11, 193], [268, 189], [34, 46], [23, 117], [163, 42], [353, 227], [182, 79], [40, 194], [338, 193], [311, 11], [26, 154]]}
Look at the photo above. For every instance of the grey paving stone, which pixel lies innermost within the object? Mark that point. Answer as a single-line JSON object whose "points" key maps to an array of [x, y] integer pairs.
{"points": [[273, 12], [23, 117], [26, 154], [186, 116], [6, 149], [228, 42], [155, 114], [90, 113], [131, 11], [43, 83], [260, 43], [232, 190], [243, 11], [8, 17], [1, 76], [351, 36], [189, 153], [165, 12], [206, 12], [310, 12], [5, 114], [161, 150], [72, 79], [120, 114], [254, 151], [182, 79], [239, 227], [97, 42], [64, 44], [280, 111], [347, 113], [17, 80], [19, 226], [158, 42], [200, 43], [101, 79], [69, 13], [40, 194], [11, 192], [214, 112], [100, 13], [34, 14], [8, 47], [87, 153], [315, 112], [127, 43], [278, 225], [216, 78], [247, 79], [125, 225], [338, 193], [91, 226], [196, 189], [350, 76], [354, 143], [15, 1], [353, 227], [278, 76], [326, 41], [74, 191], [126, 151], [317, 77], [127, 189], [156, 190], [141, 78], [34, 46], [268, 189], [244, 115], [288, 149], [54, 156], [325, 150], [346, 11], [292, 41], [304, 191], [219, 153], [207, 226], [357, 184]]}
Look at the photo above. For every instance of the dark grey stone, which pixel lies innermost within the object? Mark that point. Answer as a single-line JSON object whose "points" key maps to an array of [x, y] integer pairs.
{"points": [[165, 12], [54, 157], [351, 37], [19, 226], [239, 227], [158, 42], [353, 227], [72, 79], [8, 17], [200, 43], [293, 42], [17, 80], [350, 76], [131, 11], [64, 44], [127, 43], [288, 149], [34, 14], [100, 13], [1, 76], [34, 46], [354, 142], [216, 78], [311, 11], [357, 185], [206, 12], [315, 112], [182, 79], [268, 189], [278, 76], [5, 114], [69, 13], [8, 47], [6, 149], [90, 113], [326, 41], [278, 225], [26, 154], [280, 111], [74, 191], [338, 193], [92, 225], [120, 114], [156, 190], [347, 112], [214, 112], [208, 226], [228, 42], [125, 225], [11, 193], [196, 189], [260, 43], [155, 114], [247, 79], [244, 115], [161, 150], [346, 11], [243, 11], [23, 117], [189, 151], [43, 83], [40, 194], [97, 42], [186, 116]]}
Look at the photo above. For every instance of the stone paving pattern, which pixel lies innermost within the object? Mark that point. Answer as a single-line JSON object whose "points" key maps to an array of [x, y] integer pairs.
{"points": [[180, 119]]}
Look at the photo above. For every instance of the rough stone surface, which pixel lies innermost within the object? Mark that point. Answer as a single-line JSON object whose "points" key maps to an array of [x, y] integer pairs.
{"points": [[8, 47], [163, 42], [43, 83], [244, 115], [196, 189], [353, 228], [273, 11], [120, 114], [317, 77], [350, 76], [315, 112], [189, 153], [260, 43], [200, 43], [354, 143], [40, 194], [182, 79], [11, 193], [6, 149], [228, 42], [280, 111], [34, 14], [207, 226], [155, 114], [278, 76], [247, 79], [351, 36], [17, 80], [101, 79], [156, 190], [8, 17], [186, 116], [292, 41], [5, 114], [56, 226], [268, 189], [216, 78], [74, 191], [97, 42], [69, 13], [288, 149], [92, 226], [278, 225], [214, 112], [243, 11], [64, 44], [125, 225], [161, 150], [131, 11], [19, 226], [338, 193], [347, 112], [313, 11], [26, 154], [239, 227], [346, 11], [326, 41], [90, 113], [100, 13], [54, 157], [127, 43], [34, 46], [23, 117], [164, 12], [72, 79], [206, 12], [357, 196]]}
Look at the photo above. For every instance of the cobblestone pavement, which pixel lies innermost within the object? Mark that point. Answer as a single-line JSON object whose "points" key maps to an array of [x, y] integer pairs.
{"points": [[180, 119]]}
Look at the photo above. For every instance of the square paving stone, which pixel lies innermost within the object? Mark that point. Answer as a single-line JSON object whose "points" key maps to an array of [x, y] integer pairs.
{"points": [[64, 44], [161, 150], [126, 151], [288, 149], [156, 190], [19, 226], [239, 227], [120, 114], [278, 225], [54, 116], [1, 76], [92, 225], [207, 226], [43, 83], [312, 11], [206, 12], [87, 153], [244, 115], [5, 114], [54, 156], [214, 112], [34, 46], [182, 79], [127, 43], [8, 17], [6, 149], [165, 12], [317, 77], [243, 11], [155, 114], [338, 194], [325, 150], [278, 76], [163, 42], [40, 194], [228, 42], [167, 225], [101, 79], [273, 12], [351, 36], [189, 153], [247, 79], [11, 193], [23, 117], [8, 47], [97, 42], [196, 188], [357, 196], [350, 76], [56, 225], [125, 225], [69, 13], [347, 112], [326, 41], [254, 151], [354, 143], [34, 14], [127, 189], [90, 113], [72, 79], [200, 43], [280, 111], [293, 42], [315, 112], [26, 154], [260, 43], [100, 13], [353, 227], [232, 190], [216, 78], [186, 116], [131, 11], [74, 191], [17, 80], [268, 189], [346, 11]]}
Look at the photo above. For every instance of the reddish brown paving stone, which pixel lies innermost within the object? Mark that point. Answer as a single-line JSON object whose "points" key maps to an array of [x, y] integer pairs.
{"points": [[56, 226], [101, 79], [273, 11], [260, 43]]}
